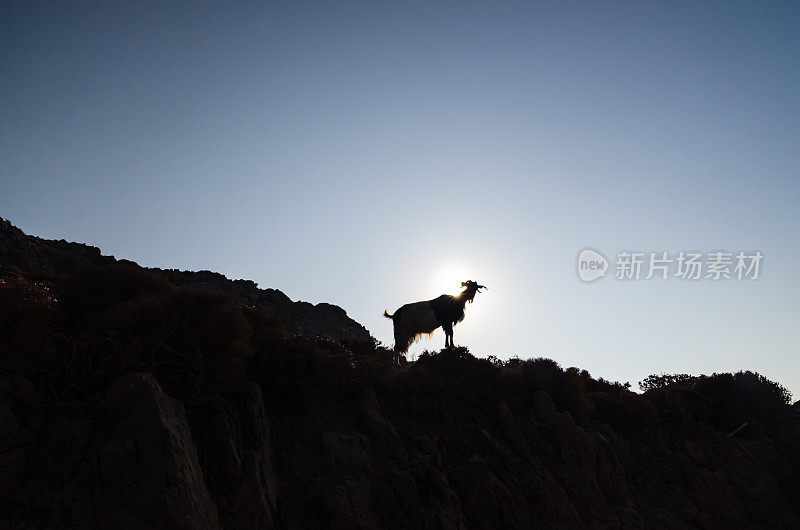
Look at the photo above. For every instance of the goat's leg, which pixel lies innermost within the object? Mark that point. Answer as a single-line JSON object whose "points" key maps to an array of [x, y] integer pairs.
{"points": [[401, 343], [448, 335]]}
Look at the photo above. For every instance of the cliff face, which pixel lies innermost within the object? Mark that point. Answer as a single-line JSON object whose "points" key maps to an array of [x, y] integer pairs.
{"points": [[136, 462], [135, 398], [143, 458]]}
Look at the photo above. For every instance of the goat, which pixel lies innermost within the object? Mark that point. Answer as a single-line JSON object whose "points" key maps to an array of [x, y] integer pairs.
{"points": [[418, 318]]}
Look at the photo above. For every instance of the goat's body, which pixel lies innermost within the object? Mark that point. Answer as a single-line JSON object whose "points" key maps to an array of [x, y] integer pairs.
{"points": [[410, 322], [420, 318], [448, 309]]}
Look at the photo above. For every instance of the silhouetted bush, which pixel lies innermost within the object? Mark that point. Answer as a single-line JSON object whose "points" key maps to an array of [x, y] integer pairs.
{"points": [[726, 401], [372, 362], [657, 382], [566, 387], [25, 309], [732, 399], [100, 288], [602, 385], [194, 343], [300, 371], [621, 407], [118, 319]]}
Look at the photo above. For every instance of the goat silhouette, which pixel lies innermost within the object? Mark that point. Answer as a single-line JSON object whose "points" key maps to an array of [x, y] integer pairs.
{"points": [[418, 318]]}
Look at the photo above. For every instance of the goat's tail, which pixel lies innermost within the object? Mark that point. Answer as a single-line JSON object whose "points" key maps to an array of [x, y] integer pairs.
{"points": [[387, 315]]}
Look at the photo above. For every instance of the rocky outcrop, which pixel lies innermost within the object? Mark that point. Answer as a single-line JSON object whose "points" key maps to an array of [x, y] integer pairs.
{"points": [[489, 468], [147, 460], [321, 320], [136, 462], [233, 438], [147, 471], [44, 259]]}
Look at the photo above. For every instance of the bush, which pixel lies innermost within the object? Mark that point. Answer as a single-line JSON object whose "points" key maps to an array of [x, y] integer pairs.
{"points": [[566, 387], [195, 343], [732, 399], [622, 407], [26, 308], [658, 382], [300, 372], [99, 289]]}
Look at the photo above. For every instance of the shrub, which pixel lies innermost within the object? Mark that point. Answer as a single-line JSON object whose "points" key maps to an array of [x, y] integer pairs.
{"points": [[300, 372], [658, 382], [26, 308], [732, 399], [566, 387], [98, 289], [621, 407]]}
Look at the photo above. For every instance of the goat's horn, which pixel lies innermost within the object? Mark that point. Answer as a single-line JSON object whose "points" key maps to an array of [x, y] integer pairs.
{"points": [[483, 287]]}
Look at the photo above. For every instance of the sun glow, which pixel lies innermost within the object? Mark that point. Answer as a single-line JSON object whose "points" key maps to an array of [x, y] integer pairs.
{"points": [[448, 276]]}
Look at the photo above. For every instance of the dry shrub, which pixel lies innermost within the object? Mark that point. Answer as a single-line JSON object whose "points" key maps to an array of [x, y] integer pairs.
{"points": [[26, 310], [728, 400], [297, 373], [372, 362], [622, 408], [438, 384], [661, 381], [194, 342], [725, 400], [566, 387], [99, 289]]}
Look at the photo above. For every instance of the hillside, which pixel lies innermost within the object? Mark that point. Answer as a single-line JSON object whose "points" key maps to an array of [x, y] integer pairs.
{"points": [[134, 397]]}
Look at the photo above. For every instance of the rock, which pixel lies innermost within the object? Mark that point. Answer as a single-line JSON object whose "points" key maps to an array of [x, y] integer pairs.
{"points": [[255, 499], [15, 386], [30, 255], [543, 404], [348, 452], [15, 444], [149, 474], [348, 504], [382, 432], [407, 495], [322, 320]]}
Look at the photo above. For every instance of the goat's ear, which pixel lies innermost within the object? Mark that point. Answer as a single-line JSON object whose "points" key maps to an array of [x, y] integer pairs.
{"points": [[463, 284]]}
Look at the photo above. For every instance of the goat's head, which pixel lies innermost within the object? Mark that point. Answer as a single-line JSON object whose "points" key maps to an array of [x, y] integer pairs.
{"points": [[470, 288]]}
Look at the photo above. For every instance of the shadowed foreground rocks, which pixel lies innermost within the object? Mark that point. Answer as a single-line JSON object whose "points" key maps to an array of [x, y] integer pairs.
{"points": [[133, 463], [134, 398], [140, 461]]}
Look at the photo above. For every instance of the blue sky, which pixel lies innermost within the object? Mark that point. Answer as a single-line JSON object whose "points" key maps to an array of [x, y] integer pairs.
{"points": [[370, 155]]}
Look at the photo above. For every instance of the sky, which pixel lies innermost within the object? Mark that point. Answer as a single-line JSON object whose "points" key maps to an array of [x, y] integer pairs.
{"points": [[371, 154]]}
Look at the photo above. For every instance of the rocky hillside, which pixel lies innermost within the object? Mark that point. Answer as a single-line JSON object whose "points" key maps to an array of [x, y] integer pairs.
{"points": [[47, 260], [134, 398]]}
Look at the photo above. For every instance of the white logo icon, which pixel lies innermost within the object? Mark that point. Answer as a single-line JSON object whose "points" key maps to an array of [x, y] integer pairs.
{"points": [[591, 265]]}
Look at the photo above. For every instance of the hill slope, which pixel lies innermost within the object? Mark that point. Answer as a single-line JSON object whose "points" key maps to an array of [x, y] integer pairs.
{"points": [[50, 260], [133, 397]]}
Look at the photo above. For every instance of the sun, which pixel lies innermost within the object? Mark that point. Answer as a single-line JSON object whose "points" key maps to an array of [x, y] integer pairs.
{"points": [[448, 276]]}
